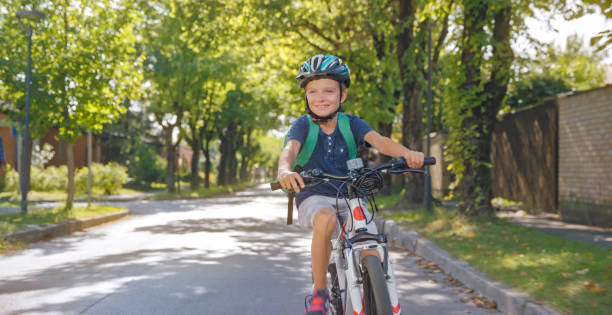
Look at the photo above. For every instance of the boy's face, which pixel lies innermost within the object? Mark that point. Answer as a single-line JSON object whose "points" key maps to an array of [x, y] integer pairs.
{"points": [[324, 96]]}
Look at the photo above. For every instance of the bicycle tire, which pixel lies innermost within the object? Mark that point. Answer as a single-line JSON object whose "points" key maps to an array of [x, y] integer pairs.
{"points": [[335, 297], [375, 293]]}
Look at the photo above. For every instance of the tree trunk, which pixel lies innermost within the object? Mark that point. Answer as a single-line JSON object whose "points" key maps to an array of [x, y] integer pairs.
{"points": [[195, 142], [70, 162], [228, 164], [170, 156], [411, 88], [232, 172], [207, 163], [385, 130], [195, 168], [246, 156], [223, 167], [475, 185], [412, 139], [177, 166]]}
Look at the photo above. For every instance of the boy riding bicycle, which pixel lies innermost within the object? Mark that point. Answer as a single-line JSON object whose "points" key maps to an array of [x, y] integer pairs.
{"points": [[325, 79]]}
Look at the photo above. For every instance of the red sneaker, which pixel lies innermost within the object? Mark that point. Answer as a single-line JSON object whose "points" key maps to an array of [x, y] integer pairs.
{"points": [[318, 303]]}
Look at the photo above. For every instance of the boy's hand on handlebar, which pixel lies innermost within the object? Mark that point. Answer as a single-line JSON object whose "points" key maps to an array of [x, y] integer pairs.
{"points": [[290, 181], [414, 159]]}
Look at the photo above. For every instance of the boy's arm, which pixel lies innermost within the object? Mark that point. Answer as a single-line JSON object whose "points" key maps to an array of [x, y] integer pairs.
{"points": [[287, 178], [391, 148]]}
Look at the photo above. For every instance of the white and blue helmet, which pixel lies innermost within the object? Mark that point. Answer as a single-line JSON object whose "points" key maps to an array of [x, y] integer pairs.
{"points": [[324, 66]]}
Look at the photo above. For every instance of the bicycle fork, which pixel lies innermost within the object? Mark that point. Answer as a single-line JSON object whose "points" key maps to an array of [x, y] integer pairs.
{"points": [[350, 265]]}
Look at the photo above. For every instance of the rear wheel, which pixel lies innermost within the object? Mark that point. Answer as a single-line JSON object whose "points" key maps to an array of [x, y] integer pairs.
{"points": [[335, 297], [375, 293]]}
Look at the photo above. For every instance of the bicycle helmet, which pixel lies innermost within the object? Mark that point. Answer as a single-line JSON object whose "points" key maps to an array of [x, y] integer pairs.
{"points": [[324, 66], [321, 67]]}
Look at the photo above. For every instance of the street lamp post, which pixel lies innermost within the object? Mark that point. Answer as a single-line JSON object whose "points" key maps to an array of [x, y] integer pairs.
{"points": [[427, 152], [34, 16]]}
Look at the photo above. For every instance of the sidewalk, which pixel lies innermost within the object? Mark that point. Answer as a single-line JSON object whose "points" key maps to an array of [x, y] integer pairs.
{"points": [[551, 223]]}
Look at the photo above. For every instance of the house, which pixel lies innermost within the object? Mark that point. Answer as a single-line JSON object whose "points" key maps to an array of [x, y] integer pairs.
{"points": [[59, 147]]}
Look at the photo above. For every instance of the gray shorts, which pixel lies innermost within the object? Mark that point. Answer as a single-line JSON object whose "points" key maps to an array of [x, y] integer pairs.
{"points": [[313, 204]]}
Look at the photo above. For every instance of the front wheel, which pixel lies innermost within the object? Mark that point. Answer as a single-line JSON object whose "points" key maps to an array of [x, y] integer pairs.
{"points": [[375, 293]]}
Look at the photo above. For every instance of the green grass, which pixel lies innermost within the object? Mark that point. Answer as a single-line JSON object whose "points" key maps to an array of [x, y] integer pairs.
{"points": [[572, 276], [201, 193], [13, 199], [12, 222]]}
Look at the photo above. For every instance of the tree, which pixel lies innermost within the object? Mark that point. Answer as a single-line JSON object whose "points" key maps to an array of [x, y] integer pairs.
{"points": [[412, 29], [172, 70], [532, 90], [577, 66], [482, 80], [88, 69], [13, 47]]}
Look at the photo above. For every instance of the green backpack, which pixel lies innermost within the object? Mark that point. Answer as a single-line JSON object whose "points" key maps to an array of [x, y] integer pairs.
{"points": [[305, 153]]}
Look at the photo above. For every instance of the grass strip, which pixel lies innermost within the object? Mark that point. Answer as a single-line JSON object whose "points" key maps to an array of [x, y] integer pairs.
{"points": [[12, 222], [13, 199], [573, 276]]}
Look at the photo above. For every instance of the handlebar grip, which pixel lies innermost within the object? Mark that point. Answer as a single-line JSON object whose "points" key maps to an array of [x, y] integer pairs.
{"points": [[275, 186], [430, 160]]}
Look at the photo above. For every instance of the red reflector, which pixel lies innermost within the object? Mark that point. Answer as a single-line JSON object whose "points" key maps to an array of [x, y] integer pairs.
{"points": [[358, 214], [395, 309]]}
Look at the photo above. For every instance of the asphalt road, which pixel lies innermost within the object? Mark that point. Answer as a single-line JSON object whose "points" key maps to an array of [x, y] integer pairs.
{"points": [[228, 255]]}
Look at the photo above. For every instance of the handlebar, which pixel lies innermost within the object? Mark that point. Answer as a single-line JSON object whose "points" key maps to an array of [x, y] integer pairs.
{"points": [[275, 186], [397, 165]]}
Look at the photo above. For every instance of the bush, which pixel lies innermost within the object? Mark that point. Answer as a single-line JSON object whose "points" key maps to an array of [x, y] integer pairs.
{"points": [[49, 179], [146, 166], [109, 177], [11, 179]]}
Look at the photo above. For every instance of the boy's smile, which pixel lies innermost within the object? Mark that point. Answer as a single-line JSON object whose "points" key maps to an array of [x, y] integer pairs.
{"points": [[324, 96]]}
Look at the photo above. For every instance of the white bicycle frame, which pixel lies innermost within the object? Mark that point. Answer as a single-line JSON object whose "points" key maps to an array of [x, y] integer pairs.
{"points": [[348, 261]]}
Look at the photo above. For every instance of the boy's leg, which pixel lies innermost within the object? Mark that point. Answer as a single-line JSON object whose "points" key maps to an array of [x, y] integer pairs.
{"points": [[319, 213], [324, 224]]}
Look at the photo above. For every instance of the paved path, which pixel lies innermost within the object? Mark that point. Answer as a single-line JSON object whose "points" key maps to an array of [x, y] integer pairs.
{"points": [[551, 223], [228, 255]]}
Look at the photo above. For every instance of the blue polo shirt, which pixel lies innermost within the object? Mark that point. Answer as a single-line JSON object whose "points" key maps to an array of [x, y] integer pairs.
{"points": [[330, 153]]}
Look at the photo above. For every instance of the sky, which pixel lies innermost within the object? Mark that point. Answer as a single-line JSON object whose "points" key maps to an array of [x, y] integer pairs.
{"points": [[586, 26]]}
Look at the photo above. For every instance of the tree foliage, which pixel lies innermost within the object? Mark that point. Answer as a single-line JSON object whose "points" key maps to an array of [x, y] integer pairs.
{"points": [[478, 90], [85, 67], [221, 74], [574, 64], [532, 90]]}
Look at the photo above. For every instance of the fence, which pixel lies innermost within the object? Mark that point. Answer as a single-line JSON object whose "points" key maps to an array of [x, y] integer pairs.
{"points": [[524, 157]]}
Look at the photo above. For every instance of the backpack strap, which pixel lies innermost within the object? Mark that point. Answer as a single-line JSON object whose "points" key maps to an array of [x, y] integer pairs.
{"points": [[301, 160], [309, 145], [344, 124]]}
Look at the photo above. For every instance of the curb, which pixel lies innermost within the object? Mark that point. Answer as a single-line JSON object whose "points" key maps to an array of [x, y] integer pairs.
{"points": [[508, 300], [64, 228]]}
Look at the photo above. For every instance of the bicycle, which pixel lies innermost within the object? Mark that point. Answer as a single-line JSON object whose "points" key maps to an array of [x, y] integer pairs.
{"points": [[367, 280]]}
